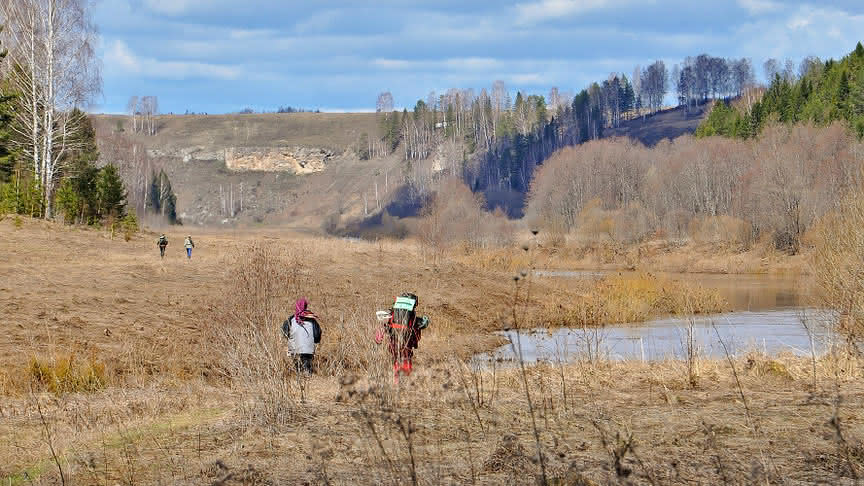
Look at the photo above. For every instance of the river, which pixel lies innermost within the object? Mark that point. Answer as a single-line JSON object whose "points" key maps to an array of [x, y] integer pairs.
{"points": [[770, 314]]}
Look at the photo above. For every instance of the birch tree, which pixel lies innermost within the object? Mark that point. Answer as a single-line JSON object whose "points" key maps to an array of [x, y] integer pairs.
{"points": [[54, 70]]}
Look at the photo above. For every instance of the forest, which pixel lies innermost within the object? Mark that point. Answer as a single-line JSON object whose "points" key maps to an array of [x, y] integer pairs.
{"points": [[495, 145], [822, 93]]}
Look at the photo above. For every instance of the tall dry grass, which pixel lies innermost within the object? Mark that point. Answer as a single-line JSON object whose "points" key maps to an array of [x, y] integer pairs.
{"points": [[637, 298], [243, 330], [247, 345], [838, 267]]}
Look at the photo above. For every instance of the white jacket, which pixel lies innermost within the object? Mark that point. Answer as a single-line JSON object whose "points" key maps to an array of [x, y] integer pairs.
{"points": [[302, 336]]}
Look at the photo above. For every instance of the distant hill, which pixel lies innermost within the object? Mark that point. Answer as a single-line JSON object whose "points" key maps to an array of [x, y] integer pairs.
{"points": [[312, 175], [665, 124], [201, 152], [333, 131]]}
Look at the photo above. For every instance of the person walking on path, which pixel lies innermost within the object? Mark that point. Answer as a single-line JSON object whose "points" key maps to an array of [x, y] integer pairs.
{"points": [[303, 333], [189, 244], [403, 328], [162, 242]]}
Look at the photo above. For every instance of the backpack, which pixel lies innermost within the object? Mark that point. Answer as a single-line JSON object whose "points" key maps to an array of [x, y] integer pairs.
{"points": [[403, 318], [163, 241], [316, 330]]}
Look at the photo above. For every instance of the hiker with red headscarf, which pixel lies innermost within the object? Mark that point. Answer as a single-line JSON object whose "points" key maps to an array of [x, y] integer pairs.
{"points": [[303, 333], [403, 329]]}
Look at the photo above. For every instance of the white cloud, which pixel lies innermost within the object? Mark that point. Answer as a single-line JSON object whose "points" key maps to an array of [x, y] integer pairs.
{"points": [[451, 64], [170, 7], [756, 7], [120, 58], [542, 10], [823, 32]]}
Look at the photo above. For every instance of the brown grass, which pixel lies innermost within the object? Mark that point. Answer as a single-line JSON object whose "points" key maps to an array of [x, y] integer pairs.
{"points": [[633, 299], [202, 396]]}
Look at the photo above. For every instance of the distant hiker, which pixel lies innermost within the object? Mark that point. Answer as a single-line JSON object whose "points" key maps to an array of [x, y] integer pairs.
{"points": [[303, 333], [162, 243], [189, 244], [403, 328]]}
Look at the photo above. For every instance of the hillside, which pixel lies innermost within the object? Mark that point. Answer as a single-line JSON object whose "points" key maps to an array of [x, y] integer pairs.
{"points": [[665, 124], [270, 161], [300, 169]]}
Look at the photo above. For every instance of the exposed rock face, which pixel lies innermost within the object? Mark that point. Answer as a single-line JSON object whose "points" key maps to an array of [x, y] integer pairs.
{"points": [[299, 160]]}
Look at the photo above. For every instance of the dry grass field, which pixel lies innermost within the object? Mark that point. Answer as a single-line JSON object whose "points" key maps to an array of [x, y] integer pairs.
{"points": [[333, 131], [121, 368]]}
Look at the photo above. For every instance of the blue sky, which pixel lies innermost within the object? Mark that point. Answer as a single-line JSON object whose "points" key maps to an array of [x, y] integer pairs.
{"points": [[220, 56]]}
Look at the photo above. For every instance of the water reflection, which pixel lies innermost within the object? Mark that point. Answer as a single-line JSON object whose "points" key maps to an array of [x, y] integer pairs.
{"points": [[795, 330], [742, 292]]}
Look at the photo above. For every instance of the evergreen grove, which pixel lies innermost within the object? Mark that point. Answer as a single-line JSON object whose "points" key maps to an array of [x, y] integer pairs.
{"points": [[827, 92]]}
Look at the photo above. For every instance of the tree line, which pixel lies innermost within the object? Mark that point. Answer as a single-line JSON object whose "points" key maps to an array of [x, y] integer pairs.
{"points": [[717, 190], [819, 92], [503, 139]]}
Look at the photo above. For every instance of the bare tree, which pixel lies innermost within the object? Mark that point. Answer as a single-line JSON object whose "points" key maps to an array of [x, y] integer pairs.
{"points": [[54, 69], [384, 104], [132, 109], [809, 64], [554, 99], [771, 68], [654, 84]]}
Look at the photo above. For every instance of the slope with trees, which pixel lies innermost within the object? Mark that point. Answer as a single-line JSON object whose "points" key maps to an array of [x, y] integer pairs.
{"points": [[50, 164], [821, 93]]}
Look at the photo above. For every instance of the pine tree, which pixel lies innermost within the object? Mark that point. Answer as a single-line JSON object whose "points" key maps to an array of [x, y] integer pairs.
{"points": [[111, 194]]}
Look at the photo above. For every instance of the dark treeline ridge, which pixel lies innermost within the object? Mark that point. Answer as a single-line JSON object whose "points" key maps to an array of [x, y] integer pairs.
{"points": [[821, 92]]}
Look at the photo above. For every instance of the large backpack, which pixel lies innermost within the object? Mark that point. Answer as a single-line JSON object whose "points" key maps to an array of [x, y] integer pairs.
{"points": [[403, 318]]}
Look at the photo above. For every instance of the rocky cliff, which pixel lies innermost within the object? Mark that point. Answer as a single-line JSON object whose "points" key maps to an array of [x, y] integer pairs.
{"points": [[296, 160], [299, 160]]}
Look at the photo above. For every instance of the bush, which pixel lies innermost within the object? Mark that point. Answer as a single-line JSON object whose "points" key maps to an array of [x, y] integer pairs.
{"points": [[129, 225], [839, 268]]}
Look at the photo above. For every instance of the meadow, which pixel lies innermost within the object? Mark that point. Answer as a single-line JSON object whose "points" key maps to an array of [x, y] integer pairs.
{"points": [[123, 368]]}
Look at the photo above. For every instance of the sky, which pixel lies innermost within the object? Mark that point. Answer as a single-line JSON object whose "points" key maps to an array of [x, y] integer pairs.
{"points": [[220, 56]]}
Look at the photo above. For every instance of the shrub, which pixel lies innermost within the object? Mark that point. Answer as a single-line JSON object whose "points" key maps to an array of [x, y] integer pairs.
{"points": [[66, 374], [839, 267], [129, 225], [721, 230]]}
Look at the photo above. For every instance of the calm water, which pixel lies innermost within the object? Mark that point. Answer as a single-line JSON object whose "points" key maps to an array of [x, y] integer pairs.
{"points": [[771, 332], [768, 315], [741, 292]]}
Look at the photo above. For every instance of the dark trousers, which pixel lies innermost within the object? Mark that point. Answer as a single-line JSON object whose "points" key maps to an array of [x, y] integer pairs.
{"points": [[304, 362], [162, 251]]}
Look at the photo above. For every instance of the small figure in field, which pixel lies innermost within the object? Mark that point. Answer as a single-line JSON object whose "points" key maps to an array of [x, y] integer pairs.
{"points": [[403, 327], [303, 333], [189, 244], [162, 243]]}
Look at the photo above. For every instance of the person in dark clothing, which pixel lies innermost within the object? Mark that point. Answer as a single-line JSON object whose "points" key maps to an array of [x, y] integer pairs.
{"points": [[162, 243]]}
